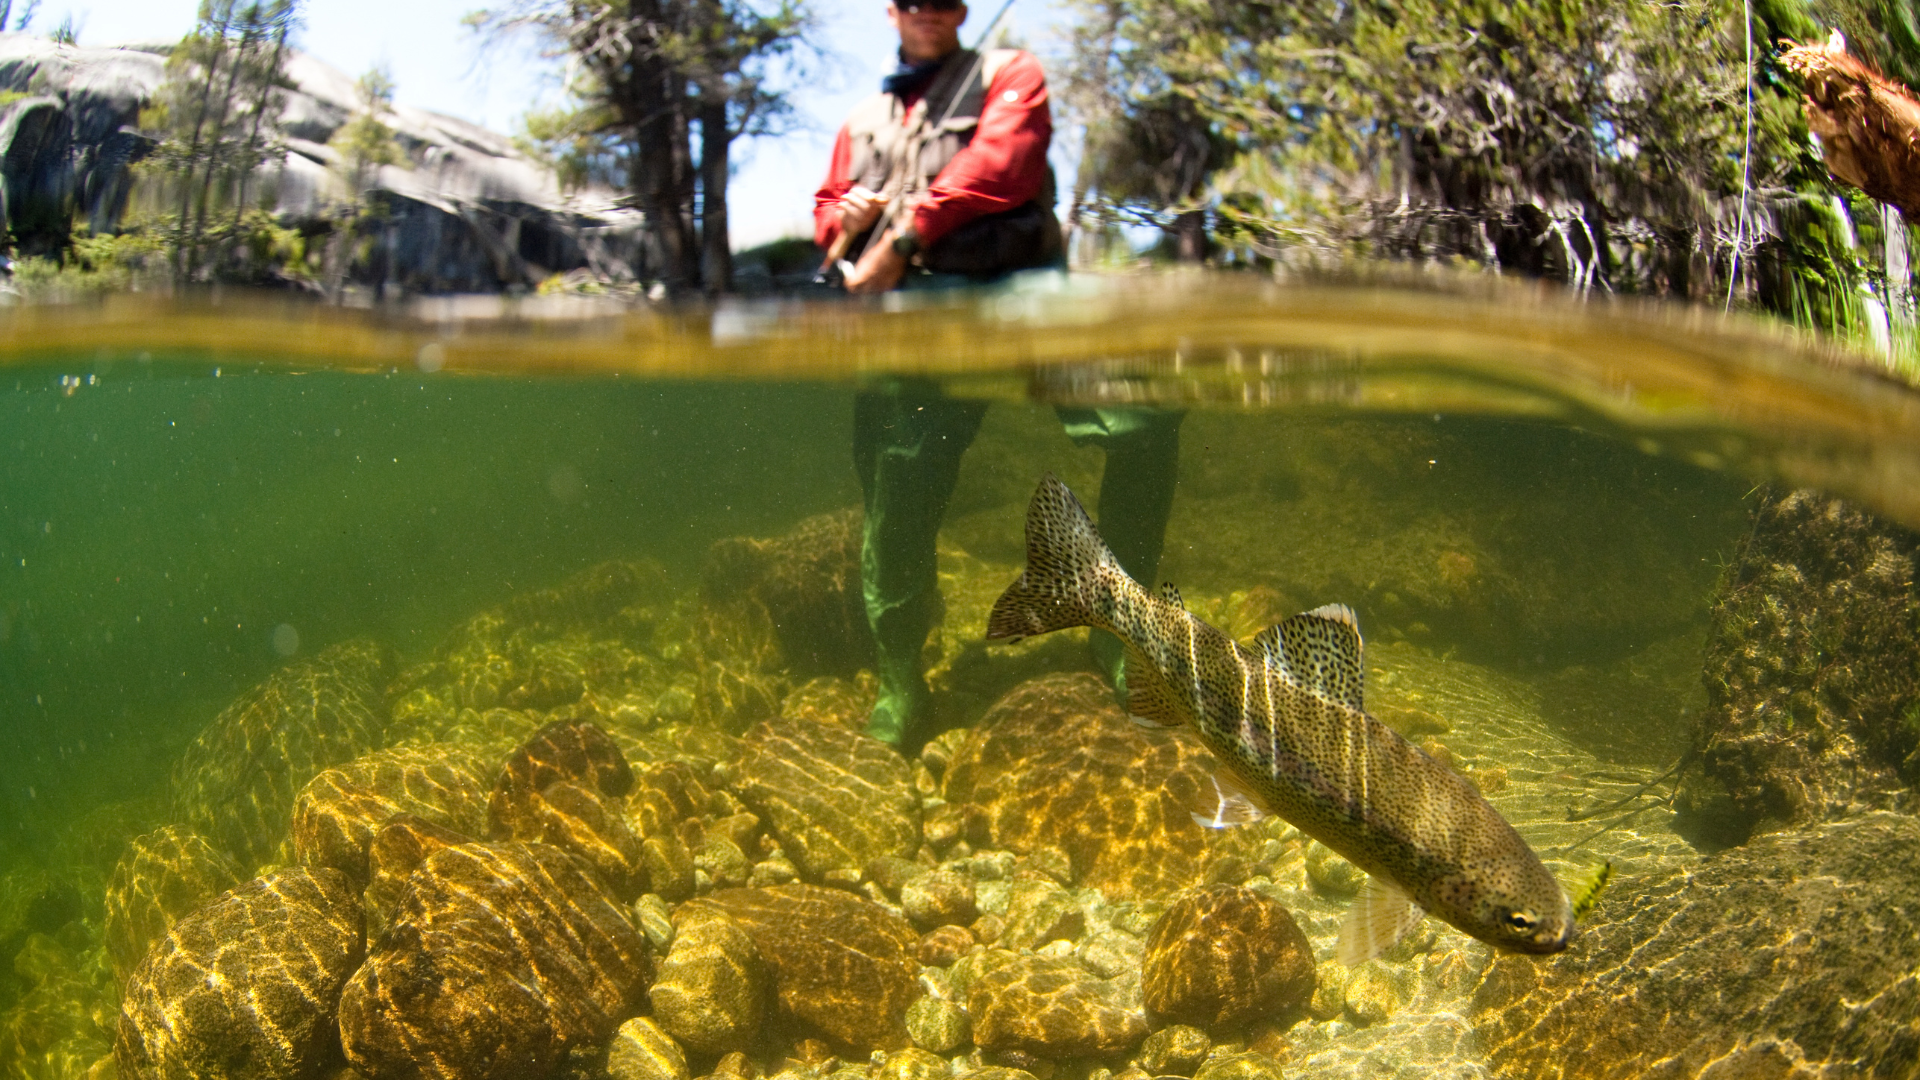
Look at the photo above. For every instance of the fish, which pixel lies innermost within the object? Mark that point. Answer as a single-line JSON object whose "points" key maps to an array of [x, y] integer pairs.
{"points": [[1286, 719]]}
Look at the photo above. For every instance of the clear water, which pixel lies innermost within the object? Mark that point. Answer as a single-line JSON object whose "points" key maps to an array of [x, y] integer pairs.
{"points": [[1529, 503]]}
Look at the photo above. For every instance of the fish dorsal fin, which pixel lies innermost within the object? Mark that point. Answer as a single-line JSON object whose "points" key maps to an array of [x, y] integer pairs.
{"points": [[1233, 805], [1172, 595], [1380, 916], [1149, 699], [1319, 651]]}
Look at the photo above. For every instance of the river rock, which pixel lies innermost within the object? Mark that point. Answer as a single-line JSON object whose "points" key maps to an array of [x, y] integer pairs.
{"points": [[938, 1025], [1056, 764], [1224, 955], [943, 945], [247, 986], [236, 782], [1791, 956], [336, 815], [939, 898], [843, 968], [565, 786], [835, 799], [162, 876], [502, 960], [913, 1063], [1812, 691], [711, 993], [394, 853], [1175, 1050], [1051, 1008], [641, 1051], [1247, 1065]]}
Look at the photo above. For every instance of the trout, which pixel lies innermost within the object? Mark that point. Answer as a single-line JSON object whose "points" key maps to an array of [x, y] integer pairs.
{"points": [[1286, 720]]}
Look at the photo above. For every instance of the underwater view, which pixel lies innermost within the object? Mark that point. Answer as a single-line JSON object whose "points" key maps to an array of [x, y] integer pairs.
{"points": [[1144, 676]]}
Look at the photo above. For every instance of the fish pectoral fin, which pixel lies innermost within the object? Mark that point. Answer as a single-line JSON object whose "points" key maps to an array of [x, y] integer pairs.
{"points": [[1149, 698], [1380, 916], [1232, 806], [1319, 651]]}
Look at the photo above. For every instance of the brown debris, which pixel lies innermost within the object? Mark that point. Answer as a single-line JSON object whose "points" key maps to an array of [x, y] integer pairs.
{"points": [[1869, 126]]}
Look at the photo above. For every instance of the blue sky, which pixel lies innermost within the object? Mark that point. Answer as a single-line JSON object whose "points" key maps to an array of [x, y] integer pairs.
{"points": [[437, 64]]}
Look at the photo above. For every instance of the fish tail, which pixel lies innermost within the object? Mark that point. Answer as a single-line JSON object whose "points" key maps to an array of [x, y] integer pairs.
{"points": [[1070, 573]]}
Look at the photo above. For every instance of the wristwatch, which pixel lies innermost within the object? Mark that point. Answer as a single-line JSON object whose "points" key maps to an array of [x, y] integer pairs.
{"points": [[907, 244]]}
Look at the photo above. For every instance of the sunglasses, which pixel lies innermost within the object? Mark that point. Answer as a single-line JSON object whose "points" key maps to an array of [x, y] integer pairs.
{"points": [[929, 5]]}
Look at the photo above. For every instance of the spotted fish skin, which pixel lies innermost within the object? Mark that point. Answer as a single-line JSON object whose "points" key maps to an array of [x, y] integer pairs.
{"points": [[1287, 721]]}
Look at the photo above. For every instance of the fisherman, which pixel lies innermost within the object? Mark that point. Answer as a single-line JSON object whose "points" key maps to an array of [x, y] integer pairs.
{"points": [[941, 179]]}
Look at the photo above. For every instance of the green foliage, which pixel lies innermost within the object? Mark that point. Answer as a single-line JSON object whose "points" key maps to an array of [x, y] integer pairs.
{"points": [[216, 119], [366, 142], [579, 142], [92, 264]]}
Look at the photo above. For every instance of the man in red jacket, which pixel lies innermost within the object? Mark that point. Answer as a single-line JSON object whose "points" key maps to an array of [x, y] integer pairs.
{"points": [[945, 169], [942, 179]]}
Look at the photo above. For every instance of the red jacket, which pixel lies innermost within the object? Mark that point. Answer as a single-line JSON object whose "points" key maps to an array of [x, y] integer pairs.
{"points": [[1004, 165]]}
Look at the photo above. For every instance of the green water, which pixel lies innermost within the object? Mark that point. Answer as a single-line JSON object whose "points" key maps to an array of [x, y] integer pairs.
{"points": [[1530, 505]]}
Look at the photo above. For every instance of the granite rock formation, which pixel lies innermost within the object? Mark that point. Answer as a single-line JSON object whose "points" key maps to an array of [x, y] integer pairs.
{"points": [[246, 988], [843, 968], [466, 211], [1813, 690], [1052, 1008], [236, 783], [1791, 956], [835, 799], [1223, 956], [501, 960], [162, 877], [1056, 764], [337, 814]]}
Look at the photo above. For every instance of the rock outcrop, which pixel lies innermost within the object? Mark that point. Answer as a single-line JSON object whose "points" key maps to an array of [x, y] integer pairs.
{"points": [[465, 211]]}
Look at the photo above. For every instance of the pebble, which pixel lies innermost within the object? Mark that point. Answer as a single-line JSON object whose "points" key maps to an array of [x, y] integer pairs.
{"points": [[939, 898], [1176, 1050], [1331, 873], [913, 1063], [944, 944], [641, 1051], [711, 991], [1249, 1065], [1372, 994], [655, 919], [938, 1026]]}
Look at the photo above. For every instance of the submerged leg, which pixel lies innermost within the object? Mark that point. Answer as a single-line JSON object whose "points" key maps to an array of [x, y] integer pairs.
{"points": [[907, 442], [1142, 447]]}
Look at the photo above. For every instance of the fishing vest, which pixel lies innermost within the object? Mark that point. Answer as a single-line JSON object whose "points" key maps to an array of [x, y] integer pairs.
{"points": [[898, 151]]}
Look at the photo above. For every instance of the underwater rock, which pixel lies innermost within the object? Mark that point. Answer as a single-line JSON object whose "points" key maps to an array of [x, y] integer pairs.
{"points": [[1039, 911], [565, 787], [163, 876], [1224, 955], [913, 1063], [843, 967], [394, 853], [799, 593], [336, 815], [938, 1025], [501, 959], [1247, 1065], [236, 782], [1175, 1050], [833, 700], [939, 898], [63, 1023], [1792, 955], [711, 991], [835, 799], [1811, 685], [944, 944], [1055, 764], [641, 1051], [246, 987], [1051, 1008]]}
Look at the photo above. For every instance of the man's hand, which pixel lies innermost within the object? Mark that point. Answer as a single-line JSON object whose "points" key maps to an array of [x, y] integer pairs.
{"points": [[880, 269], [859, 209]]}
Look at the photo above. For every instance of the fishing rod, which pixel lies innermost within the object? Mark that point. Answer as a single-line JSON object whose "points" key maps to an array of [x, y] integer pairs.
{"points": [[840, 256]]}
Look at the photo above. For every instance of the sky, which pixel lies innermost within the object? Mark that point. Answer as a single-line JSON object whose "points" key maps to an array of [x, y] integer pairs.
{"points": [[437, 64]]}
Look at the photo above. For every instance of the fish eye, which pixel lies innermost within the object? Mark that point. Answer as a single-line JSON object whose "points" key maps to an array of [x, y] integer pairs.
{"points": [[1520, 922]]}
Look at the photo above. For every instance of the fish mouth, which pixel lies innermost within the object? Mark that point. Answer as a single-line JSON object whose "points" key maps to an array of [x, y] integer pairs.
{"points": [[1545, 944]]}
